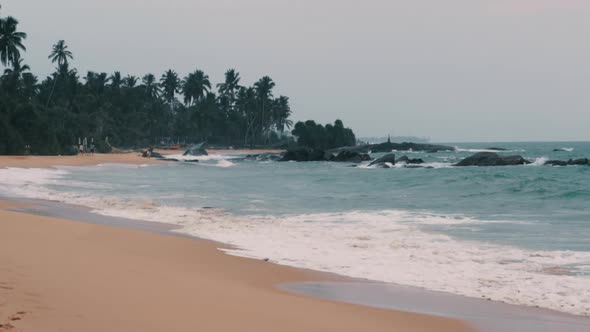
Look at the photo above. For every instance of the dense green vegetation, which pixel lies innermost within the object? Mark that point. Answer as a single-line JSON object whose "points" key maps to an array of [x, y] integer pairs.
{"points": [[316, 136], [50, 114]]}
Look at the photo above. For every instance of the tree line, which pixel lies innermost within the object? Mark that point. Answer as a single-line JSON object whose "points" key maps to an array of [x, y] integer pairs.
{"points": [[50, 114]]}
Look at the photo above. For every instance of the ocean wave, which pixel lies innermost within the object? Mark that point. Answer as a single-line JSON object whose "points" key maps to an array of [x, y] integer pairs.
{"points": [[458, 149], [387, 245], [539, 161]]}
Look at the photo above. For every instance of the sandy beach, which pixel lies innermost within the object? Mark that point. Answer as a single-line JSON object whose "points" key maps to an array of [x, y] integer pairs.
{"points": [[63, 275]]}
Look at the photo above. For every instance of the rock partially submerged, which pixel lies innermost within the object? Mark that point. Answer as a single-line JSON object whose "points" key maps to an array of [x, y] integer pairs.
{"points": [[492, 159], [407, 160], [407, 146], [571, 162], [304, 154], [386, 159]]}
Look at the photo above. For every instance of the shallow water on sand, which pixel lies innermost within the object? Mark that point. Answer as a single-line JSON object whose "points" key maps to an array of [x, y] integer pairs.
{"points": [[515, 234]]}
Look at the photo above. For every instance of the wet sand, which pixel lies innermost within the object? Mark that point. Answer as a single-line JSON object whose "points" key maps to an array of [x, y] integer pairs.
{"points": [[62, 275]]}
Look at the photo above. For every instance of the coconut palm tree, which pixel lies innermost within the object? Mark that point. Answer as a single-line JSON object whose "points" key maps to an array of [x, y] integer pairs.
{"points": [[11, 41], [170, 84], [230, 86], [281, 114], [263, 89], [195, 87], [30, 85], [150, 86], [12, 76], [130, 81], [60, 53], [116, 80]]}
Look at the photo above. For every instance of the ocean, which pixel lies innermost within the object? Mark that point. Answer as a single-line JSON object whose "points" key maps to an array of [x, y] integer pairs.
{"points": [[516, 234]]}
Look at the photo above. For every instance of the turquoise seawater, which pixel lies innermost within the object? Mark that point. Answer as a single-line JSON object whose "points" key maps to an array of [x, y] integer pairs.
{"points": [[534, 206], [518, 234]]}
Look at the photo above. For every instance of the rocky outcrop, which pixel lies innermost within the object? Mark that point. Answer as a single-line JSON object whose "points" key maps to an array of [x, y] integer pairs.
{"points": [[571, 162], [406, 146], [492, 159], [407, 160], [388, 158], [496, 149], [303, 154]]}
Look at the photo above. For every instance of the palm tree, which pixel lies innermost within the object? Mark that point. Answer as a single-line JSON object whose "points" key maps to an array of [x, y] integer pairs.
{"points": [[150, 86], [264, 88], [230, 87], [195, 87], [170, 85], [130, 81], [116, 80], [30, 85], [96, 82], [11, 41], [13, 75], [281, 113], [60, 53]]}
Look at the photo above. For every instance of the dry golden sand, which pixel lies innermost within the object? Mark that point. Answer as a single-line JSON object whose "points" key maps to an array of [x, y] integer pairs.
{"points": [[61, 275]]}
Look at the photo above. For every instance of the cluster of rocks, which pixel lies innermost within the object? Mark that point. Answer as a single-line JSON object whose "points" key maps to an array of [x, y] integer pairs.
{"points": [[407, 146], [571, 162], [342, 155], [492, 159], [389, 160]]}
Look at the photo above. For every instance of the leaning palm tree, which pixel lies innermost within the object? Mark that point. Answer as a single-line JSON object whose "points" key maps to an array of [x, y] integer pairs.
{"points": [[150, 86], [195, 87], [170, 84], [60, 53], [11, 41]]}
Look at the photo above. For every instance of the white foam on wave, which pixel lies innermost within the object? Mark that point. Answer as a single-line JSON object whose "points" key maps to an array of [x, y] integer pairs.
{"points": [[389, 246], [458, 149], [540, 161]]}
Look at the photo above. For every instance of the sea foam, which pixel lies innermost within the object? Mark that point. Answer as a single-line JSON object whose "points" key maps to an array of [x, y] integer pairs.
{"points": [[386, 245]]}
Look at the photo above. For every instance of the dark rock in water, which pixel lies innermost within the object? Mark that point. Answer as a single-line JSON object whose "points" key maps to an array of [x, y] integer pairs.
{"points": [[195, 152], [303, 154], [556, 163], [168, 159], [347, 156], [388, 158], [191, 161], [407, 160], [578, 162], [492, 159], [357, 149], [496, 149], [406, 146], [583, 161], [560, 150]]}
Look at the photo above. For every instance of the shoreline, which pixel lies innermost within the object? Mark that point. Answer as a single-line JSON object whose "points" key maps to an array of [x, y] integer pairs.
{"points": [[326, 286], [38, 263], [141, 272]]}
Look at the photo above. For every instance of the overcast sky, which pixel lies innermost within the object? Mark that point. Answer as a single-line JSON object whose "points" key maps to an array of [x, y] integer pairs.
{"points": [[452, 70]]}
